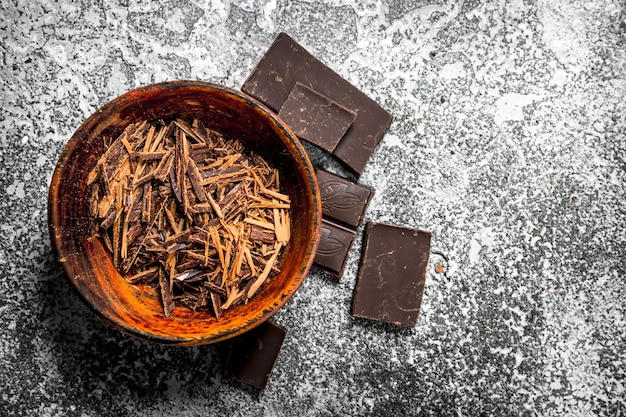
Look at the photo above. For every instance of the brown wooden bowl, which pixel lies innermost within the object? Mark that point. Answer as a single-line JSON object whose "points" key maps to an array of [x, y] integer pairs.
{"points": [[137, 310]]}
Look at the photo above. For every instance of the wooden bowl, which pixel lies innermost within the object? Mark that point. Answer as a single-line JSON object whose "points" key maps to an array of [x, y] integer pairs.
{"points": [[137, 310]]}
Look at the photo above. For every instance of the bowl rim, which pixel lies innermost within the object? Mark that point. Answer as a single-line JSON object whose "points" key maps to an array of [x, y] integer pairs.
{"points": [[54, 209]]}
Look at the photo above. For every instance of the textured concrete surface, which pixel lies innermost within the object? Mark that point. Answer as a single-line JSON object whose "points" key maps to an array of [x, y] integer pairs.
{"points": [[509, 144]]}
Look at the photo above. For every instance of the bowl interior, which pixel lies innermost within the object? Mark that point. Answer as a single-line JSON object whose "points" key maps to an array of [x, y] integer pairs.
{"points": [[137, 310]]}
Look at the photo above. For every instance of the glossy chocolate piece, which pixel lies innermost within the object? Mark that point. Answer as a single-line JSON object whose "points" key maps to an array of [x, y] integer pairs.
{"points": [[343, 200], [334, 247], [252, 355], [285, 63], [316, 118], [392, 274]]}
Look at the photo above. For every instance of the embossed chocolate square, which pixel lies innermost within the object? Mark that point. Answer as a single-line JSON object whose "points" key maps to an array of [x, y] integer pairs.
{"points": [[333, 248], [343, 200]]}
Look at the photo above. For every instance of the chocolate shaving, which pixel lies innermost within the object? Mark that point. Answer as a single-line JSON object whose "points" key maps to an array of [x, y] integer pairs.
{"points": [[196, 179], [143, 156], [166, 294], [259, 234], [187, 211]]}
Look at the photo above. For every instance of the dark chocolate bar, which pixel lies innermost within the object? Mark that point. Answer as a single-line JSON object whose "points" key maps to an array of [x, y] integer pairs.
{"points": [[333, 249], [315, 118], [285, 63], [343, 200], [392, 274], [251, 356]]}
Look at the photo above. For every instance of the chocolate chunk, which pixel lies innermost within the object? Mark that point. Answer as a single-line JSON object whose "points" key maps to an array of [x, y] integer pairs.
{"points": [[333, 248], [252, 355], [343, 200], [392, 274], [316, 118], [285, 63]]}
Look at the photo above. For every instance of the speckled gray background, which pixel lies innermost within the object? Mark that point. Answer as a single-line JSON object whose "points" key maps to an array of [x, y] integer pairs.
{"points": [[508, 143]]}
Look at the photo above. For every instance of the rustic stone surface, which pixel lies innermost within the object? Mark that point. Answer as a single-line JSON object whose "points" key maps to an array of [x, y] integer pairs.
{"points": [[508, 143]]}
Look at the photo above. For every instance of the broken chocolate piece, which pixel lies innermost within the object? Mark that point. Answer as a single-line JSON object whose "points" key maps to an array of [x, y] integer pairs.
{"points": [[392, 274], [251, 356], [343, 200], [285, 63], [316, 118], [333, 249]]}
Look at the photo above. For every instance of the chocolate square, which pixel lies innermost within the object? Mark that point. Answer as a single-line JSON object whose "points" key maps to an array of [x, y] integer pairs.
{"points": [[251, 356], [285, 63], [343, 200], [392, 274], [333, 249], [316, 118]]}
